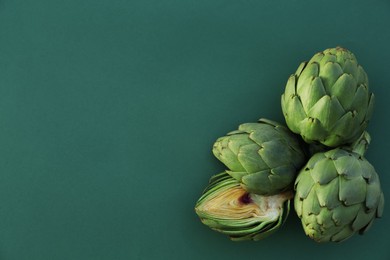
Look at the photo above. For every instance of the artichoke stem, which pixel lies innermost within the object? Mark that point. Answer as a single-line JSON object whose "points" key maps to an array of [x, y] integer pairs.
{"points": [[360, 146]]}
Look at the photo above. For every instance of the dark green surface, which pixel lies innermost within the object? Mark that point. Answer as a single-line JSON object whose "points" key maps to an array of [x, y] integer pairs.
{"points": [[109, 109]]}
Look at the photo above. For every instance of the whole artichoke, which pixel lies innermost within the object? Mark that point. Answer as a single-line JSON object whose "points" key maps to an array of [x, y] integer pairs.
{"points": [[227, 208], [327, 100], [265, 156], [338, 194]]}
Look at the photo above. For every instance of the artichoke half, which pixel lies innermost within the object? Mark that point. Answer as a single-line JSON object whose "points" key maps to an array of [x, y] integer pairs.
{"points": [[264, 157], [328, 100], [227, 208], [338, 194]]}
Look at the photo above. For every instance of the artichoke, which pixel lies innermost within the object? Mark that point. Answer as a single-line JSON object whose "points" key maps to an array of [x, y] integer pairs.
{"points": [[265, 156], [327, 100], [227, 208], [338, 194]]}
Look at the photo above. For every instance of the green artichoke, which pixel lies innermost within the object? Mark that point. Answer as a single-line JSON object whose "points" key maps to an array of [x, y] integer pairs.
{"points": [[227, 208], [265, 156], [327, 100], [338, 194]]}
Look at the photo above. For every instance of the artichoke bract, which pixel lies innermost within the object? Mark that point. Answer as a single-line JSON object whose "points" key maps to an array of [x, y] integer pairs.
{"points": [[227, 208], [264, 157], [338, 194], [328, 100]]}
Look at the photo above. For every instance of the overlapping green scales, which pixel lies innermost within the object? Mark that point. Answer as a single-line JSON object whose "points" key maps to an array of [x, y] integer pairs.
{"points": [[338, 194], [328, 100], [264, 156]]}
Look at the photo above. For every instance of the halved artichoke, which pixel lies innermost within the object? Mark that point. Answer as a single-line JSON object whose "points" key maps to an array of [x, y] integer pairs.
{"points": [[227, 207]]}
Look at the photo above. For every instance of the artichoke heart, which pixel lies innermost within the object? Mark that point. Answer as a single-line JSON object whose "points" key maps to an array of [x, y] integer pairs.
{"points": [[227, 207]]}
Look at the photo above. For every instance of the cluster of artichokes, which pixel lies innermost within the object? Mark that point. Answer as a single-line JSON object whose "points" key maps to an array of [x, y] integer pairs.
{"points": [[317, 161]]}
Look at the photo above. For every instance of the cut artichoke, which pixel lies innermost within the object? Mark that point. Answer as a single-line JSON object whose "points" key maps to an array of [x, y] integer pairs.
{"points": [[228, 208]]}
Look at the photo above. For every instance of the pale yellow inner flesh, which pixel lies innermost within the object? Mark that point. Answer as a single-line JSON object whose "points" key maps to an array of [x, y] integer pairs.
{"points": [[227, 205]]}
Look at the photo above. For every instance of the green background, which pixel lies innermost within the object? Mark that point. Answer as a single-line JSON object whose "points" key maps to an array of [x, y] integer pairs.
{"points": [[109, 109]]}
